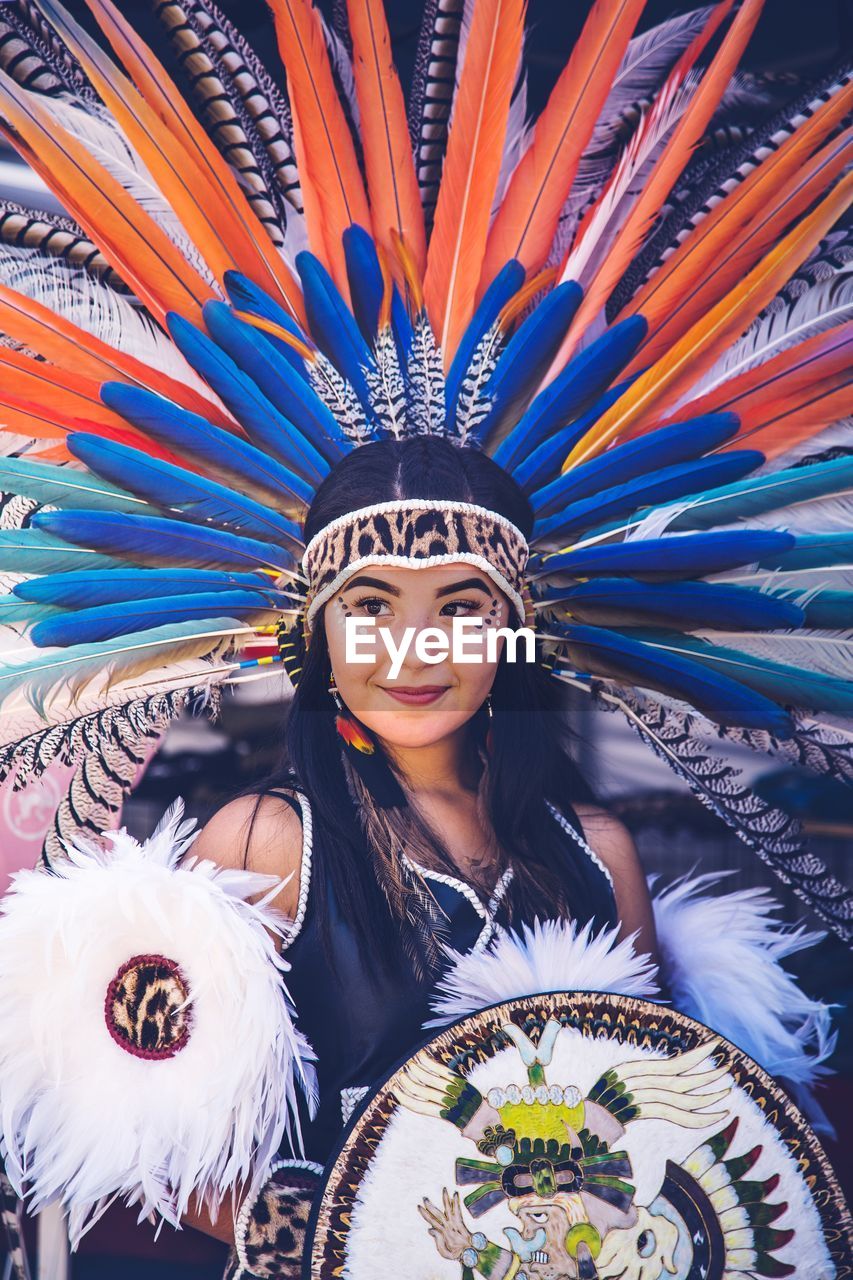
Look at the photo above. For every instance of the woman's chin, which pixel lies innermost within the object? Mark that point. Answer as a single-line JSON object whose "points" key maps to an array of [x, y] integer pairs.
{"points": [[410, 728]]}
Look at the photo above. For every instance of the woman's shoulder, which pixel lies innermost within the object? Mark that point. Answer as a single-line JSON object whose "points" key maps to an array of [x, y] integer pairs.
{"points": [[606, 834], [263, 831]]}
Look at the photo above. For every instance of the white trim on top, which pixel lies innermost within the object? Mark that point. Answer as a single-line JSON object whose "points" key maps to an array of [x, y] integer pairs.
{"points": [[411, 504]]}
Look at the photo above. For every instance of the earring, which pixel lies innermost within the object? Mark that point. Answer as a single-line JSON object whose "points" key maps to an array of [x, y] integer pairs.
{"points": [[348, 727], [490, 741]]}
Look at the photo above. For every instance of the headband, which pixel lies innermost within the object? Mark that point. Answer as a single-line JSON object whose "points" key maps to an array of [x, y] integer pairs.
{"points": [[415, 533]]}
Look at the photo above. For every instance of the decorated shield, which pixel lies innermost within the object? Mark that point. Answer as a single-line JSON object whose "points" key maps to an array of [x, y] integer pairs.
{"points": [[579, 1135]]}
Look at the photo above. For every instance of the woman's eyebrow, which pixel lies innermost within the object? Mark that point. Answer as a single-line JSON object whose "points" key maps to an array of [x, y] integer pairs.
{"points": [[364, 581], [465, 585]]}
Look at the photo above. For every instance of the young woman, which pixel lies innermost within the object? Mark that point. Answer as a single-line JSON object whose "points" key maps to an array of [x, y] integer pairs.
{"points": [[467, 812]]}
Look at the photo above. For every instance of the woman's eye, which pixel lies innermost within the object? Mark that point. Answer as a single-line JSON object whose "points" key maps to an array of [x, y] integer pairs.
{"points": [[372, 605], [457, 608]]}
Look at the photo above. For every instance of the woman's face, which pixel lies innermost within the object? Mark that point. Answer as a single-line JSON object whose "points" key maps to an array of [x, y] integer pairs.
{"points": [[414, 703]]}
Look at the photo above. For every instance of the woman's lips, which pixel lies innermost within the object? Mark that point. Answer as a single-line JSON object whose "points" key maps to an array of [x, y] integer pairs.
{"points": [[417, 696]]}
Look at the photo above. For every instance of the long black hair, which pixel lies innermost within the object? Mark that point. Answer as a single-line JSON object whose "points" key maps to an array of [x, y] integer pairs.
{"points": [[529, 761]]}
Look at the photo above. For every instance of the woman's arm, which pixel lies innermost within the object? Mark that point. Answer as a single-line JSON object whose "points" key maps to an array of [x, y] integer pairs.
{"points": [[272, 845], [612, 842]]}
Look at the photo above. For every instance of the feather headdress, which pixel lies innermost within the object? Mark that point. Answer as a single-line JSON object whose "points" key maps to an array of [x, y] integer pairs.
{"points": [[638, 308]]}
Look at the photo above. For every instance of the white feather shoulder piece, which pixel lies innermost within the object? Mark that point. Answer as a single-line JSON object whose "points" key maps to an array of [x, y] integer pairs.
{"points": [[721, 955], [550, 955], [148, 1048]]}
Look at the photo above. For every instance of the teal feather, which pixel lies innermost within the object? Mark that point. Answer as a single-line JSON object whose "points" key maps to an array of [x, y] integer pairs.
{"points": [[772, 492], [813, 551], [39, 676], [65, 487], [35, 550]]}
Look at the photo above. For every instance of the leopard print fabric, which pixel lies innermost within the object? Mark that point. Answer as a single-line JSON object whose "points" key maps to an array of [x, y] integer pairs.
{"points": [[274, 1238], [414, 533], [11, 1209]]}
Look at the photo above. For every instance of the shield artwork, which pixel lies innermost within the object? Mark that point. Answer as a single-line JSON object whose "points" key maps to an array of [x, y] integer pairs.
{"points": [[577, 1135]]}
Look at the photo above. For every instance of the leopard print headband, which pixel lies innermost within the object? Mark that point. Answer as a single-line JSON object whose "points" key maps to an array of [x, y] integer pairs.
{"points": [[415, 534]]}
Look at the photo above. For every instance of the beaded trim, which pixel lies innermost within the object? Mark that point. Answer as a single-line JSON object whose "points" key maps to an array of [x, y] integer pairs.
{"points": [[291, 933], [247, 1208], [485, 912], [350, 1098], [579, 840]]}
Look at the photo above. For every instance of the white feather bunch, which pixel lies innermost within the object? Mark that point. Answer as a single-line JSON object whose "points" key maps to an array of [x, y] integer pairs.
{"points": [[550, 955], [827, 304], [722, 954], [83, 1120], [104, 140], [96, 308]]}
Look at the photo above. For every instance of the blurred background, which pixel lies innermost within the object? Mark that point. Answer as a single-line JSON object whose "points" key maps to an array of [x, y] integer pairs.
{"points": [[206, 762]]}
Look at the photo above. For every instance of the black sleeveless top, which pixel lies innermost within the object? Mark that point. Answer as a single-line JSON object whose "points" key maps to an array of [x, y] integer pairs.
{"points": [[361, 1021]]}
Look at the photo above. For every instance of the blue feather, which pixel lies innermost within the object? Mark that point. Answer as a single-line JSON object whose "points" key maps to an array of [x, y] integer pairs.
{"points": [[261, 421], [64, 487], [684, 606], [200, 441], [151, 540], [658, 559], [173, 488], [401, 326], [308, 418], [763, 493], [83, 589], [35, 551], [332, 324], [573, 390], [505, 285], [606, 653], [788, 685], [528, 354], [364, 275], [665, 486], [547, 458], [644, 456], [246, 296], [105, 622]]}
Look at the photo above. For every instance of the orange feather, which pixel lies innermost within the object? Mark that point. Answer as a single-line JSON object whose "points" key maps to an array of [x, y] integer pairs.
{"points": [[803, 415], [527, 220], [67, 346], [192, 174], [68, 394], [392, 185], [666, 381], [786, 379], [129, 239], [761, 190], [471, 168], [325, 152], [668, 166]]}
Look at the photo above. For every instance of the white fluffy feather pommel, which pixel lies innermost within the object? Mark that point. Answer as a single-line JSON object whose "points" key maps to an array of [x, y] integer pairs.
{"points": [[147, 1041]]}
